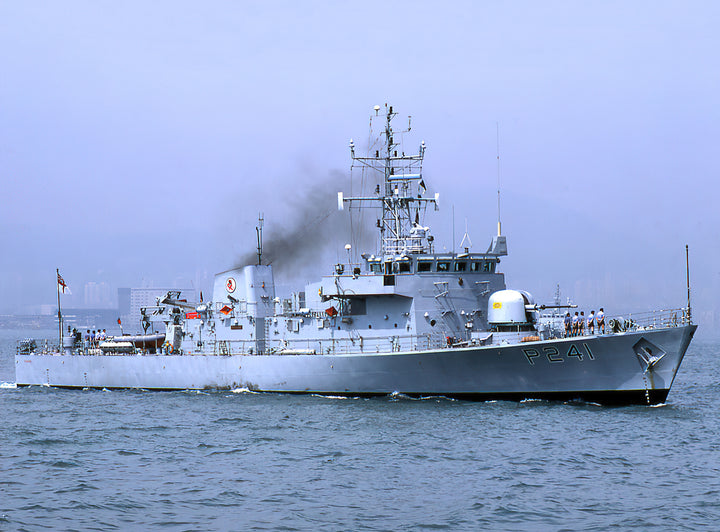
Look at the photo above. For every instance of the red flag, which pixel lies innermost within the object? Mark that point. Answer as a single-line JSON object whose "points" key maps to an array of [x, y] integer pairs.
{"points": [[332, 312], [226, 310], [191, 315]]}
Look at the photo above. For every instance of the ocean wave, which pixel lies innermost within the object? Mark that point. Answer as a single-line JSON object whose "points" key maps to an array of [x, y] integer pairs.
{"points": [[229, 451], [63, 464], [7, 385], [331, 396], [231, 420]]}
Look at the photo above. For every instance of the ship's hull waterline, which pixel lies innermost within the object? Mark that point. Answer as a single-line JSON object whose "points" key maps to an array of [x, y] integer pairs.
{"points": [[604, 369]]}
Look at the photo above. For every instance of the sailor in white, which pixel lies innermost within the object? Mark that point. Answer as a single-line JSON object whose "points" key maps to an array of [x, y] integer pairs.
{"points": [[575, 321], [600, 318]]}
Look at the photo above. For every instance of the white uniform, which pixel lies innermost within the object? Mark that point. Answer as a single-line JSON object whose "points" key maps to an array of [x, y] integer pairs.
{"points": [[600, 318]]}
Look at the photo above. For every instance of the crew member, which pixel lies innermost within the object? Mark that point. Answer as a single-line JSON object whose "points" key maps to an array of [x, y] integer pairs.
{"points": [[575, 320], [568, 324], [581, 324], [591, 322], [600, 318]]}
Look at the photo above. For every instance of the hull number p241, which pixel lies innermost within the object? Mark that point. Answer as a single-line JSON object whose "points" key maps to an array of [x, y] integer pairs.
{"points": [[553, 354]]}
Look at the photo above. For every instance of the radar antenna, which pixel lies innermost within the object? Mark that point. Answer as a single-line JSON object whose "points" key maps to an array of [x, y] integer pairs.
{"points": [[399, 195], [466, 242]]}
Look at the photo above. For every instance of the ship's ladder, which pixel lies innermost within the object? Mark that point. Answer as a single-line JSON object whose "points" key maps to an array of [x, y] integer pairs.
{"points": [[447, 308], [223, 347], [441, 290], [356, 341], [482, 288]]}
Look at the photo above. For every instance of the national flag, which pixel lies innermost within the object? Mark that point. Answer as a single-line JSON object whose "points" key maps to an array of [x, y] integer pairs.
{"points": [[201, 298], [422, 185], [62, 285], [119, 322], [332, 312], [226, 310]]}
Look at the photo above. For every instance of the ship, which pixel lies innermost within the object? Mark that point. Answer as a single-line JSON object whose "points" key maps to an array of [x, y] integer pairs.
{"points": [[403, 318]]}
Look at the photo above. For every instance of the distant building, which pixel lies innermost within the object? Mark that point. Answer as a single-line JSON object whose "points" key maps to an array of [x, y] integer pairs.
{"points": [[97, 295], [124, 301], [89, 318], [47, 310]]}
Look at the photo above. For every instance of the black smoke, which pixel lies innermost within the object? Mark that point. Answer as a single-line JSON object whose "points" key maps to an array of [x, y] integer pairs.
{"points": [[312, 226]]}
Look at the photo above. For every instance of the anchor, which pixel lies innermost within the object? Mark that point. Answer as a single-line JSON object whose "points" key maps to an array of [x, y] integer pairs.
{"points": [[646, 355]]}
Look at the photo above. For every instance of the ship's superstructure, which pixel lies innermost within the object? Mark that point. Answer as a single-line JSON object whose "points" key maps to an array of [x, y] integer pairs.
{"points": [[403, 318], [405, 296]]}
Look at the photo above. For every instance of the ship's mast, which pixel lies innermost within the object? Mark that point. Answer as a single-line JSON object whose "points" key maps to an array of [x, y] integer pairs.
{"points": [[258, 231], [400, 193]]}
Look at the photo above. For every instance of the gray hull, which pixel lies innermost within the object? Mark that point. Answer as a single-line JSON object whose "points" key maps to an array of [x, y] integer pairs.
{"points": [[608, 369]]}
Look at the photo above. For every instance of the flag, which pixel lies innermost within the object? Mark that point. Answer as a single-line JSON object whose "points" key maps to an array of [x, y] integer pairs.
{"points": [[201, 298], [332, 312], [191, 315], [226, 310], [422, 185], [62, 285], [119, 322]]}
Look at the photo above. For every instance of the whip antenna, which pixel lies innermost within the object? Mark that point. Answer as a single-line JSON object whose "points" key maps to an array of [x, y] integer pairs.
{"points": [[687, 277], [497, 136]]}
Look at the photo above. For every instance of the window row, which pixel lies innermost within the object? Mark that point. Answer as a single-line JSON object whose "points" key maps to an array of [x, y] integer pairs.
{"points": [[474, 266]]}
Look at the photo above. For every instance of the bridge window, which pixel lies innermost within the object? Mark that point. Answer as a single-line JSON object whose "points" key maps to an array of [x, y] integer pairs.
{"points": [[404, 266], [424, 266], [443, 266], [460, 266], [485, 266], [375, 267]]}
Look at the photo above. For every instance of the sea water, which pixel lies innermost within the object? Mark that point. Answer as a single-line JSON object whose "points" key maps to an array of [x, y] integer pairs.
{"points": [[236, 460]]}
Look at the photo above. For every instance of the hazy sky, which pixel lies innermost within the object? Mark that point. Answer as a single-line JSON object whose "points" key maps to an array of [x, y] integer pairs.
{"points": [[139, 140]]}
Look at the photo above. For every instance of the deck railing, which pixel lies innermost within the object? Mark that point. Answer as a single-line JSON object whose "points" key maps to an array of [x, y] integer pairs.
{"points": [[337, 346], [638, 321], [655, 319]]}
